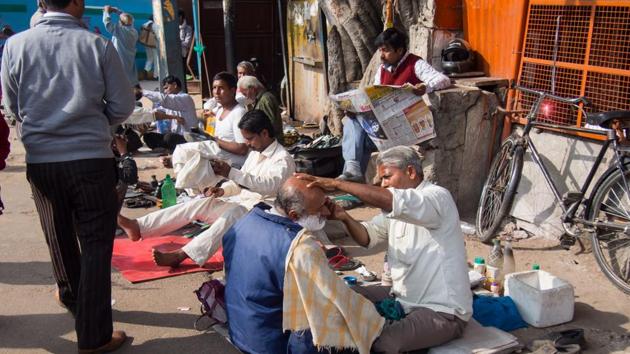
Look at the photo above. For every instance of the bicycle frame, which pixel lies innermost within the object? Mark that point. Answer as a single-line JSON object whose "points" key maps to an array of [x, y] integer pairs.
{"points": [[568, 211]]}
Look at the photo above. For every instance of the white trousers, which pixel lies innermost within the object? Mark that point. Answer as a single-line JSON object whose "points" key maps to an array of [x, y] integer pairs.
{"points": [[152, 60], [220, 214]]}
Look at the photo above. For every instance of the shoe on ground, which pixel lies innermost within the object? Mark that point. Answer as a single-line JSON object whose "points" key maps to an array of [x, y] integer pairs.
{"points": [[118, 338], [351, 178]]}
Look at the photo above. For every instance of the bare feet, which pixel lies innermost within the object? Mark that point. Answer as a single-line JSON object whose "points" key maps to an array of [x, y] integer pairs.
{"points": [[169, 259], [130, 227]]}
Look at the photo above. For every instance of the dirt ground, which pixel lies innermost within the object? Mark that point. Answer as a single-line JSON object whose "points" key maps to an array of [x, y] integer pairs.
{"points": [[151, 313]]}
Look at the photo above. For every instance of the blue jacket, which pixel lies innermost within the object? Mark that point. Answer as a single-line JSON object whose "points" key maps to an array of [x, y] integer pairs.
{"points": [[255, 250]]}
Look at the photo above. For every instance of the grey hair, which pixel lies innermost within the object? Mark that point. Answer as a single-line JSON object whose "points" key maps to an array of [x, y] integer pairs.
{"points": [[248, 66], [126, 19], [290, 198], [247, 82], [400, 157]]}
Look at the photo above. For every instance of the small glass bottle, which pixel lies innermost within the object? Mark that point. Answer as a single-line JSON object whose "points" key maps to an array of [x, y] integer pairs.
{"points": [[495, 288]]}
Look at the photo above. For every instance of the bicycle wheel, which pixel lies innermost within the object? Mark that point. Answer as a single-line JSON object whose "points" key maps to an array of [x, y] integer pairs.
{"points": [[612, 248], [498, 191]]}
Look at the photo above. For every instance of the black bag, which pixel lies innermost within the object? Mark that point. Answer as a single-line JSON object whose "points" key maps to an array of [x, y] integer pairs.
{"points": [[127, 170]]}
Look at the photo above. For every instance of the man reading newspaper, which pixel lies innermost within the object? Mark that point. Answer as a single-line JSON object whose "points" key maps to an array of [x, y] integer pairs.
{"points": [[399, 68]]}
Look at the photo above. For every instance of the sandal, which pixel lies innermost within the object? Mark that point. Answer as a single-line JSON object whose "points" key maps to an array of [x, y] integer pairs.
{"points": [[139, 203], [334, 251], [343, 263]]}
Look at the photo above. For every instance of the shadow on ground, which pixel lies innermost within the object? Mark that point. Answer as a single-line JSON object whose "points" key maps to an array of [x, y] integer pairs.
{"points": [[30, 273]]}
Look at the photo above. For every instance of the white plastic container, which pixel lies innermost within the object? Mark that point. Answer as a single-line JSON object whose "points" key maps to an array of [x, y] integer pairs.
{"points": [[542, 299]]}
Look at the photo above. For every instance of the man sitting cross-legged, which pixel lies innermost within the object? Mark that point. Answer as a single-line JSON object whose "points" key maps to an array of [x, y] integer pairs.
{"points": [[264, 171], [278, 280], [426, 251]]}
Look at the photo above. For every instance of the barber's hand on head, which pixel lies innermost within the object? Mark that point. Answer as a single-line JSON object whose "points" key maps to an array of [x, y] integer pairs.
{"points": [[220, 167], [107, 9], [328, 184], [214, 192]]}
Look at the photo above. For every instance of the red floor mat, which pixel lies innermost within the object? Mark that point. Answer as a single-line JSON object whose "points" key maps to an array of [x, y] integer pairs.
{"points": [[134, 260]]}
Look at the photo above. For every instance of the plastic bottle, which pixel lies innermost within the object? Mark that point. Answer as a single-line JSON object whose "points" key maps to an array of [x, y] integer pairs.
{"points": [[479, 265], [509, 263], [210, 123], [386, 277], [163, 126], [494, 269], [169, 195]]}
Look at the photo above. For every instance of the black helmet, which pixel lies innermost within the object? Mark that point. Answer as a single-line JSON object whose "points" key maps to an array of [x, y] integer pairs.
{"points": [[457, 57]]}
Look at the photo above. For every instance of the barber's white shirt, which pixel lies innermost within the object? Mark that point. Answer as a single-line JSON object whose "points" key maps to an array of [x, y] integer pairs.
{"points": [[262, 175], [177, 104], [426, 250], [434, 79]]}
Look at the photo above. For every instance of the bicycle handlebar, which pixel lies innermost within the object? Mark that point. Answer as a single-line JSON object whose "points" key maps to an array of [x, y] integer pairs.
{"points": [[542, 94]]}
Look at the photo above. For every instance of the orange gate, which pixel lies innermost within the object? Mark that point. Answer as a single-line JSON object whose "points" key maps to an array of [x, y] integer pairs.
{"points": [[589, 41]]}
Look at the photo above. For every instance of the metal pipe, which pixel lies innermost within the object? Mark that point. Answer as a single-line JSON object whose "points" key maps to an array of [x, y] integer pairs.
{"points": [[285, 63], [555, 56], [228, 30], [195, 8]]}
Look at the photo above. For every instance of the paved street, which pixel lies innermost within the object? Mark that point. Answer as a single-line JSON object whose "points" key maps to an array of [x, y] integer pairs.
{"points": [[31, 322]]}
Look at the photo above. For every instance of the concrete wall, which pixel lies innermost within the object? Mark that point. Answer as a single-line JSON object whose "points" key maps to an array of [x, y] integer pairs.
{"points": [[568, 160]]}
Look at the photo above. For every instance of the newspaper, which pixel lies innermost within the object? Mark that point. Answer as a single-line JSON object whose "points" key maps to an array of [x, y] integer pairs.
{"points": [[390, 115]]}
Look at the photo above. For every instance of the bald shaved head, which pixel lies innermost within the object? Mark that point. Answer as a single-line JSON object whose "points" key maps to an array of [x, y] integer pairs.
{"points": [[296, 199]]}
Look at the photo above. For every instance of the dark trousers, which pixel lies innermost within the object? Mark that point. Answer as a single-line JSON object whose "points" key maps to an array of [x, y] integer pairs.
{"points": [[421, 328], [168, 141], [77, 207]]}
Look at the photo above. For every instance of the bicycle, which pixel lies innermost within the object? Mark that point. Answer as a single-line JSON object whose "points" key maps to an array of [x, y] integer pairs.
{"points": [[605, 214]]}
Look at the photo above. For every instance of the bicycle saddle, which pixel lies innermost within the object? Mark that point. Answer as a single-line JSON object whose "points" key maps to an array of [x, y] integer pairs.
{"points": [[603, 119]]}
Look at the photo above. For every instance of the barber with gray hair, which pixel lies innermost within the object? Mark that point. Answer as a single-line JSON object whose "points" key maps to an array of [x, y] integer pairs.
{"points": [[426, 252], [257, 97], [124, 38]]}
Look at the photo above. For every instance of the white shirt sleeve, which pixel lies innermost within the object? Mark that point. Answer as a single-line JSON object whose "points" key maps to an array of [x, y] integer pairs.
{"points": [[230, 188], [269, 181], [415, 207], [434, 79], [378, 230], [377, 76], [175, 102]]}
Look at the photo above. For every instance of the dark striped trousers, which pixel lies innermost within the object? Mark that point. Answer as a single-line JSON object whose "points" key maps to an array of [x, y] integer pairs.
{"points": [[77, 206]]}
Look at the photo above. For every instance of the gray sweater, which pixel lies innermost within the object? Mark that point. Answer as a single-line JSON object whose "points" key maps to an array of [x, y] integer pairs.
{"points": [[67, 87]]}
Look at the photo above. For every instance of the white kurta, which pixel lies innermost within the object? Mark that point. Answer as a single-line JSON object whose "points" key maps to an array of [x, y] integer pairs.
{"points": [[426, 250]]}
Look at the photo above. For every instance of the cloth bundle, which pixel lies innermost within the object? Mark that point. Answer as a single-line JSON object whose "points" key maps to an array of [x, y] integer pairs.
{"points": [[191, 164]]}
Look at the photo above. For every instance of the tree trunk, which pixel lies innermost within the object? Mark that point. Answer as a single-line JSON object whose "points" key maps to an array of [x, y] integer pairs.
{"points": [[351, 52]]}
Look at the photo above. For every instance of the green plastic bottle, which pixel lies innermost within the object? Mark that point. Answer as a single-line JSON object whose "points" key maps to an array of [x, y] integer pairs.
{"points": [[169, 195]]}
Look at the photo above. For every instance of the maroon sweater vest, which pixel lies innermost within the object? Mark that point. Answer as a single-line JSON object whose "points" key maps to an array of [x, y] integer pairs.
{"points": [[403, 74]]}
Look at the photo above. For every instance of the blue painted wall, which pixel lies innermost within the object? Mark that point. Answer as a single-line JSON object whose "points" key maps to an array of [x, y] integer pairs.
{"points": [[18, 14]]}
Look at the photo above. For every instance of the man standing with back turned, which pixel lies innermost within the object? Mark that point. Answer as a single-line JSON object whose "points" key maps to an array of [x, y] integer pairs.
{"points": [[67, 87]]}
